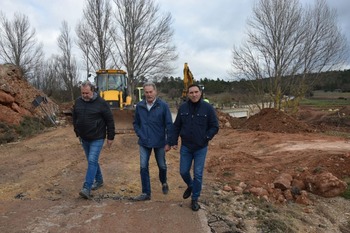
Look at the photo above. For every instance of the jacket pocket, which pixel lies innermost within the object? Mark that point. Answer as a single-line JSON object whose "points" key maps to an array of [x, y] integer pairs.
{"points": [[201, 119]]}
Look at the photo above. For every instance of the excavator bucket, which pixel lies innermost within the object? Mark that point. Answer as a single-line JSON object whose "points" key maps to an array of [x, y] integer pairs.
{"points": [[123, 120]]}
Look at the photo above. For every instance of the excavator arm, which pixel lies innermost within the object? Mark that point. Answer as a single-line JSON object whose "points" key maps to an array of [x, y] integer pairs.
{"points": [[188, 80]]}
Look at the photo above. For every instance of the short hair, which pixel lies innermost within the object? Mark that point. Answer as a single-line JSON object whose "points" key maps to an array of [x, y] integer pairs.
{"points": [[194, 85], [150, 84], [88, 83]]}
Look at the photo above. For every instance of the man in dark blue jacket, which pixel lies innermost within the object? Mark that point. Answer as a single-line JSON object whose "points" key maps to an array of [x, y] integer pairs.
{"points": [[152, 125], [196, 123], [93, 122]]}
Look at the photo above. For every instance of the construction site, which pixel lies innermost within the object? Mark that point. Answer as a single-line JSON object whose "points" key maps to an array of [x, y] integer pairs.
{"points": [[269, 172]]}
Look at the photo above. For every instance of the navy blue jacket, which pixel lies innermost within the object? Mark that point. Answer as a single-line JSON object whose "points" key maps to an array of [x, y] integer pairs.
{"points": [[93, 119], [153, 127], [196, 124]]}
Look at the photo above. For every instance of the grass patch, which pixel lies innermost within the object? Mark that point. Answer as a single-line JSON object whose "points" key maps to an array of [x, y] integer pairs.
{"points": [[338, 134], [31, 126], [7, 133], [270, 218], [325, 103], [346, 193], [274, 225], [323, 99]]}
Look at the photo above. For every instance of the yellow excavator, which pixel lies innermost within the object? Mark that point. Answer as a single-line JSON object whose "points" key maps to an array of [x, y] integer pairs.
{"points": [[189, 80], [112, 86]]}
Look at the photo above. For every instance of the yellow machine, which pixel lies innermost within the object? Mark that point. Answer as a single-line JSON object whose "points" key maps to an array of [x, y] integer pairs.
{"points": [[189, 80], [112, 86]]}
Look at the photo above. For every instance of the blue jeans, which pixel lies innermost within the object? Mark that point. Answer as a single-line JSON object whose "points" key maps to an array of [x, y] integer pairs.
{"points": [[198, 158], [145, 154], [92, 152]]}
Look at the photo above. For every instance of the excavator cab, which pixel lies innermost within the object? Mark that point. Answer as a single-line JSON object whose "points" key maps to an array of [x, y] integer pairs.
{"points": [[112, 86]]}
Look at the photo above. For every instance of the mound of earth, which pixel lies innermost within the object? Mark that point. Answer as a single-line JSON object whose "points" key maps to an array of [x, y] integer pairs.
{"points": [[17, 96], [272, 120], [19, 99], [268, 119]]}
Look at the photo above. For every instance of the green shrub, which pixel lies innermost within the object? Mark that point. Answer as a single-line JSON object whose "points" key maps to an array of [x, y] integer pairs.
{"points": [[31, 126], [346, 193], [273, 225], [7, 133]]}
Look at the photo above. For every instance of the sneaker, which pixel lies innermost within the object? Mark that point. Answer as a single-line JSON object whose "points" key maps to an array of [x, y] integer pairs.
{"points": [[195, 206], [187, 193], [142, 197], [85, 193], [96, 185], [165, 188]]}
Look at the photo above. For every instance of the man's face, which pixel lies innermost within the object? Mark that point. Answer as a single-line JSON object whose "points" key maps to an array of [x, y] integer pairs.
{"points": [[194, 94], [86, 93], [150, 93]]}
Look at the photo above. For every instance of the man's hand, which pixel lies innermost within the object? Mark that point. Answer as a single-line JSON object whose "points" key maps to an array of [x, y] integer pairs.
{"points": [[174, 147], [167, 148], [109, 143]]}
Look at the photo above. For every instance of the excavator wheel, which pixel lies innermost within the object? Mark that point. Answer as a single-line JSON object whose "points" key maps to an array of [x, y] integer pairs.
{"points": [[123, 120]]}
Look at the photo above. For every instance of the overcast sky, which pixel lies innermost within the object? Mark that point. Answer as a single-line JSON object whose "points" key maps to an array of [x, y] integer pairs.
{"points": [[204, 30]]}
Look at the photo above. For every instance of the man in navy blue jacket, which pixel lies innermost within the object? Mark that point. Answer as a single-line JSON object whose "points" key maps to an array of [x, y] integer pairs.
{"points": [[152, 125], [196, 123]]}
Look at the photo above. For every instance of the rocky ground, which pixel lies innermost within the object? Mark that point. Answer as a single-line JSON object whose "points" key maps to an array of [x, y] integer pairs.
{"points": [[268, 173]]}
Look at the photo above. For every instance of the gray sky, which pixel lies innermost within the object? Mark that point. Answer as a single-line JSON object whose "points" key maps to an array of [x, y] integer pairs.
{"points": [[204, 30]]}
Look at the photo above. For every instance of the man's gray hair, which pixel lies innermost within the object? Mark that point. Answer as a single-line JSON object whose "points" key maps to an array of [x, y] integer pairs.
{"points": [[88, 83], [150, 84]]}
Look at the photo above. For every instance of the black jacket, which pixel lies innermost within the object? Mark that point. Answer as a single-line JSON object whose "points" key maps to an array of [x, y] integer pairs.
{"points": [[93, 119], [196, 124]]}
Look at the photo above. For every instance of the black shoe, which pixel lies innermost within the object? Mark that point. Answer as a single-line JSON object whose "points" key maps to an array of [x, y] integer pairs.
{"points": [[85, 193], [195, 206], [165, 188], [187, 193], [96, 185], [142, 197]]}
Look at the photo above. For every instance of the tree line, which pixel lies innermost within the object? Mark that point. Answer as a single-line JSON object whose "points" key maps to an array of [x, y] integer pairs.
{"points": [[241, 90]]}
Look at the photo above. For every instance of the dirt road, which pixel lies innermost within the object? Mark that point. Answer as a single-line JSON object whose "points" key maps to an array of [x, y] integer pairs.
{"points": [[41, 178]]}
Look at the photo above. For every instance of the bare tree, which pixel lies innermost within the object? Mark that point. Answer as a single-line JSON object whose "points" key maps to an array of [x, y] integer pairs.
{"points": [[84, 42], [143, 37], [94, 34], [47, 80], [285, 41], [18, 44], [67, 67]]}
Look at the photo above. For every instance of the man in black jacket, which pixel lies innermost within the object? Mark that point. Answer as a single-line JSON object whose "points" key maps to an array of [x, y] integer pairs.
{"points": [[196, 123], [93, 122]]}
